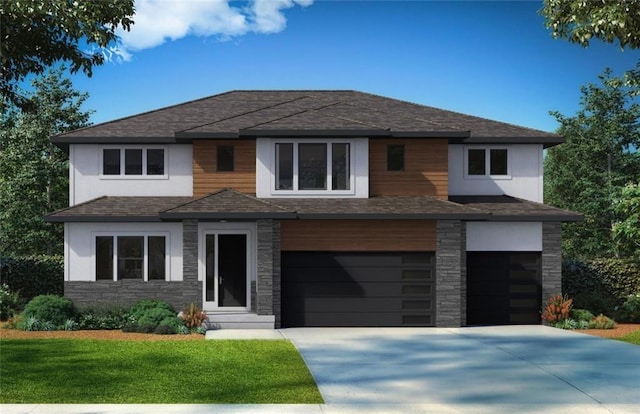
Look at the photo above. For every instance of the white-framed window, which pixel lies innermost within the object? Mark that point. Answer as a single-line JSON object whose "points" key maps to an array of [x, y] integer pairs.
{"points": [[131, 256], [487, 162], [313, 167], [135, 162]]}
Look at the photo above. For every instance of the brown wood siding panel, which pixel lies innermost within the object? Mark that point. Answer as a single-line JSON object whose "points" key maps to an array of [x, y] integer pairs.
{"points": [[425, 172], [207, 180], [358, 235]]}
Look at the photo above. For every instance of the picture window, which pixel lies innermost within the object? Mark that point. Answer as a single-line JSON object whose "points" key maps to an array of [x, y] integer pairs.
{"points": [[133, 162], [483, 162], [135, 257], [395, 157], [224, 158]]}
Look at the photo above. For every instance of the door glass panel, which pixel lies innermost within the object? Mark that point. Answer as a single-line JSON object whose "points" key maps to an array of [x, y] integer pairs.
{"points": [[312, 166], [210, 285], [284, 165], [340, 167], [232, 270]]}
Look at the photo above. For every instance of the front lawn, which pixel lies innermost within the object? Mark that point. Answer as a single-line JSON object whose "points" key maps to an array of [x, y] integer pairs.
{"points": [[632, 338], [139, 372]]}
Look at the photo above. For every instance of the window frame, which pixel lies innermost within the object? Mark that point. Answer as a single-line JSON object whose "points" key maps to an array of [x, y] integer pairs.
{"points": [[487, 162], [295, 191], [144, 175], [145, 256]]}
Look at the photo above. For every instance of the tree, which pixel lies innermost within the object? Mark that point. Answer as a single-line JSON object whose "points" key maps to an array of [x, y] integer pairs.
{"points": [[627, 230], [588, 171], [35, 34], [581, 20], [33, 172]]}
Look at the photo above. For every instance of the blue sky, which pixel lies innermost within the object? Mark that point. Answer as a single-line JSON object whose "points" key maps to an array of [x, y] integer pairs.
{"points": [[490, 59]]}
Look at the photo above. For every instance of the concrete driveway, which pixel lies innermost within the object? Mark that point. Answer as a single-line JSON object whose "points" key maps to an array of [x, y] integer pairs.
{"points": [[462, 370]]}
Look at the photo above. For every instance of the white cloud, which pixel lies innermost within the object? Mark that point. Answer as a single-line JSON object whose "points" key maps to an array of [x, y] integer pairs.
{"points": [[158, 21]]}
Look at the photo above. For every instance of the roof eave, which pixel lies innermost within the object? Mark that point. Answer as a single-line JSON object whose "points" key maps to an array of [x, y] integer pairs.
{"points": [[99, 218], [392, 216], [225, 216]]}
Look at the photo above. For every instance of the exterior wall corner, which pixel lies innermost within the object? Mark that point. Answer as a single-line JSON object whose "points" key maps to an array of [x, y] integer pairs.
{"points": [[451, 273]]}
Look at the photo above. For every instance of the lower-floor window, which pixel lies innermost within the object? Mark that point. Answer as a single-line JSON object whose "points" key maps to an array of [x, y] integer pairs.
{"points": [[131, 257]]}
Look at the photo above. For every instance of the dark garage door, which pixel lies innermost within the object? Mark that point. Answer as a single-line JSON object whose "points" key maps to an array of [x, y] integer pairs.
{"points": [[503, 288], [357, 289]]}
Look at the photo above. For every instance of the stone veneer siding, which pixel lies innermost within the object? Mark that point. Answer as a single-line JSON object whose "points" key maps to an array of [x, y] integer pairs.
{"points": [[451, 273], [268, 278], [126, 292], [551, 260]]}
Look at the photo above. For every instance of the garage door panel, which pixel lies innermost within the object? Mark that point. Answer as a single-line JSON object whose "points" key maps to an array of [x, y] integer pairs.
{"points": [[361, 305], [330, 259], [361, 319], [323, 289], [357, 289], [362, 274]]}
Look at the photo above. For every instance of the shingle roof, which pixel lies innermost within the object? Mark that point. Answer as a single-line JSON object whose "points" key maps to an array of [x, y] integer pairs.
{"points": [[227, 204], [230, 204], [507, 208], [304, 113], [117, 209]]}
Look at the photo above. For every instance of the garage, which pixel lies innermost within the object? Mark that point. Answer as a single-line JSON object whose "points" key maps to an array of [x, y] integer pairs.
{"points": [[358, 289], [503, 288]]}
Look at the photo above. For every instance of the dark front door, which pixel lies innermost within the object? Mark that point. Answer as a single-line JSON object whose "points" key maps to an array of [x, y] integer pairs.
{"points": [[226, 270], [503, 288]]}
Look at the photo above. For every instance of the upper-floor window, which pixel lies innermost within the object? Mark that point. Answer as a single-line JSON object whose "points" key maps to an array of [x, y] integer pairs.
{"points": [[134, 162], [395, 157], [313, 166], [224, 158], [484, 162]]}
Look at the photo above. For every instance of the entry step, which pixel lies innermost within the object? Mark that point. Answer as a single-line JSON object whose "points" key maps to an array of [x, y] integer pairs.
{"points": [[239, 320]]}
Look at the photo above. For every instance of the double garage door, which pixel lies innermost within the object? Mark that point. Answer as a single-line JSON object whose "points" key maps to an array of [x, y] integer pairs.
{"points": [[358, 289]]}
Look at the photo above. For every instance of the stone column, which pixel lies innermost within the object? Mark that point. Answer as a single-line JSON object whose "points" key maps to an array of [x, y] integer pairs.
{"points": [[268, 278], [451, 274], [551, 260]]}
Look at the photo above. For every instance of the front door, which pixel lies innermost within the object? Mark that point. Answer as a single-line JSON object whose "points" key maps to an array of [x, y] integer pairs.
{"points": [[226, 264]]}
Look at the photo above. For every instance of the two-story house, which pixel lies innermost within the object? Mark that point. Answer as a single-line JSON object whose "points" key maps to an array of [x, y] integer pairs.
{"points": [[313, 208]]}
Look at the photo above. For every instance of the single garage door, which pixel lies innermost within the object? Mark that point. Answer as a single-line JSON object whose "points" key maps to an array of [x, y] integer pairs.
{"points": [[357, 289], [503, 288]]}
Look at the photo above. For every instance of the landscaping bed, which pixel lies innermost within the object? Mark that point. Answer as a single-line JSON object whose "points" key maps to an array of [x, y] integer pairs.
{"points": [[621, 329]]}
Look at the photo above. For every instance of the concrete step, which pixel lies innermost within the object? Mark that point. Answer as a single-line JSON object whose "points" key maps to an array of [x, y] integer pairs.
{"points": [[239, 320]]}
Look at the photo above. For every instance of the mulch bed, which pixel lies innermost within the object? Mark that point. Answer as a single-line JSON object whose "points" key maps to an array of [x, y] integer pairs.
{"points": [[621, 329]]}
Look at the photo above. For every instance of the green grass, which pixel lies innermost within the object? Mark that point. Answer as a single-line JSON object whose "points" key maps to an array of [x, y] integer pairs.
{"points": [[632, 338], [209, 372]]}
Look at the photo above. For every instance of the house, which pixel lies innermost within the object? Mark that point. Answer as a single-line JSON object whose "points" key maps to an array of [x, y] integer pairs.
{"points": [[313, 208]]}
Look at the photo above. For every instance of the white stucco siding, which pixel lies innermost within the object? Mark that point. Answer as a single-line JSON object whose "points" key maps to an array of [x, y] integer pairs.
{"points": [[524, 179], [86, 183], [80, 246], [504, 236]]}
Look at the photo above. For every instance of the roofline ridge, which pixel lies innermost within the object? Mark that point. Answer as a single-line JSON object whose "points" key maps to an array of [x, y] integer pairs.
{"points": [[292, 114], [458, 113], [192, 201], [262, 200], [242, 114], [140, 114]]}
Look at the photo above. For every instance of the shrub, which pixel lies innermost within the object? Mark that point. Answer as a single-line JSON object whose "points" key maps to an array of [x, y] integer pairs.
{"points": [[50, 308], [105, 317], [630, 310], [33, 276], [557, 309], [581, 315], [169, 326], [144, 305], [192, 317], [602, 322], [600, 285], [147, 315], [9, 302]]}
